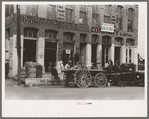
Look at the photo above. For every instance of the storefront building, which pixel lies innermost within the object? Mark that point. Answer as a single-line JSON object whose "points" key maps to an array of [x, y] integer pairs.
{"points": [[80, 33]]}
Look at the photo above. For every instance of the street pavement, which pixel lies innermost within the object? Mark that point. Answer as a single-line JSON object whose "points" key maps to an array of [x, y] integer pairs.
{"points": [[60, 92]]}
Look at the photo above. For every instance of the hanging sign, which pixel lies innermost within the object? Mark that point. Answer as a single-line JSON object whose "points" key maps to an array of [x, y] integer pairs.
{"points": [[68, 51], [61, 13], [107, 27]]}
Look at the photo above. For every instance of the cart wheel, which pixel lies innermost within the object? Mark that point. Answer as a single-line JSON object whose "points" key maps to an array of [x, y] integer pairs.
{"points": [[100, 80], [138, 77], [82, 78], [111, 80]]}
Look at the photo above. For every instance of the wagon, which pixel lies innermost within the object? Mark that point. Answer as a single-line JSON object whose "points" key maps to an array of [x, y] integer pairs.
{"points": [[84, 77]]}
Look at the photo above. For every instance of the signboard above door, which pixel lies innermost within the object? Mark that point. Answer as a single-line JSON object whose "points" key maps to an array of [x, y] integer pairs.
{"points": [[107, 27]]}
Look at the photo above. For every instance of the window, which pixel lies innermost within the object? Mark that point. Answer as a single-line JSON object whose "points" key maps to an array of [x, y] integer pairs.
{"points": [[9, 9], [95, 18], [83, 37], [51, 34], [107, 19], [51, 11], [128, 55], [94, 38], [108, 7], [68, 37], [130, 19], [107, 54], [30, 32], [119, 22], [69, 15], [119, 9], [32, 10], [83, 17], [130, 25], [119, 17]]}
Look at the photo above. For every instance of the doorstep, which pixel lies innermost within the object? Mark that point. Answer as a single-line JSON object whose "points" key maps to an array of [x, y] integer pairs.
{"points": [[41, 81]]}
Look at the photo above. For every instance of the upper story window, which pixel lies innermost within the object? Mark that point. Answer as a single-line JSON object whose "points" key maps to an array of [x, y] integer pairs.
{"points": [[107, 19], [51, 11], [119, 9], [30, 32], [50, 34], [130, 19], [95, 18], [83, 37], [107, 7], [9, 9], [69, 14], [68, 36], [32, 10], [83, 17]]}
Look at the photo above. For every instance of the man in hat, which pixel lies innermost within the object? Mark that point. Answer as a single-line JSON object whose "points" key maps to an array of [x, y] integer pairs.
{"points": [[67, 66]]}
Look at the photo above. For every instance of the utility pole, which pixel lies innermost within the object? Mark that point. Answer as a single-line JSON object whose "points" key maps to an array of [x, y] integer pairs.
{"points": [[18, 45]]}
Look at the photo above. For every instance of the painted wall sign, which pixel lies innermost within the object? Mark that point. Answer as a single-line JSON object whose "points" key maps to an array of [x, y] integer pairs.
{"points": [[61, 13], [107, 27], [51, 22], [60, 51], [68, 51], [95, 29]]}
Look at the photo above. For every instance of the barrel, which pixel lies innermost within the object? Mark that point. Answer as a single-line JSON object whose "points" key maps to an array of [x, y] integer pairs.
{"points": [[31, 72], [38, 71]]}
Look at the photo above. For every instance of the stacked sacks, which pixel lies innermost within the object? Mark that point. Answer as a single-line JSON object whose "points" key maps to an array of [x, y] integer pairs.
{"points": [[30, 69], [38, 71]]}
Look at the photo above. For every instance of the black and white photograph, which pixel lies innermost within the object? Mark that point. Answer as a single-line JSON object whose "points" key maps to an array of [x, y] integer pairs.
{"points": [[74, 59]]}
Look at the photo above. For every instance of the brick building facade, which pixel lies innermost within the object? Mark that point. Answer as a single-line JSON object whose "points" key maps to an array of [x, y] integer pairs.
{"points": [[85, 33]]}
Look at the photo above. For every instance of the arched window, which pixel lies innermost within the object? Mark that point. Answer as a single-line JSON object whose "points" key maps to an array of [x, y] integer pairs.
{"points": [[51, 34], [119, 16], [130, 19], [30, 32], [68, 36]]}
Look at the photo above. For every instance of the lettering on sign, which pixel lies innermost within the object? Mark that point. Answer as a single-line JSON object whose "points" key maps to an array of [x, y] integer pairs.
{"points": [[51, 22], [60, 50], [61, 13], [107, 27]]}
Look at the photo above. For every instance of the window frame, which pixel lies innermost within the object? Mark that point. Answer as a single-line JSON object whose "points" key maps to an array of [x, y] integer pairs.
{"points": [[68, 14], [84, 21]]}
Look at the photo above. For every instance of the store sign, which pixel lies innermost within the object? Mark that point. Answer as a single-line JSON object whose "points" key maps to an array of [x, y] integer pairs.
{"points": [[107, 27], [51, 22], [61, 13], [68, 51], [96, 29]]}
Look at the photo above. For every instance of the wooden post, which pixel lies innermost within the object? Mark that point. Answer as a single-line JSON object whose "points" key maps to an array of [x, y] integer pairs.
{"points": [[18, 44]]}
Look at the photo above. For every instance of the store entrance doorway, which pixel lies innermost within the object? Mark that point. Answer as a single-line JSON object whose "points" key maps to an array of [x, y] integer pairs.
{"points": [[94, 54], [29, 51], [117, 54], [83, 53], [50, 55], [105, 55]]}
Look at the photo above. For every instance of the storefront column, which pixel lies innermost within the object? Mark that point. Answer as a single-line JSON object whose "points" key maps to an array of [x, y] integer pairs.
{"points": [[99, 53], [40, 52], [134, 56], [22, 45], [88, 54], [123, 55], [111, 50], [13, 68]]}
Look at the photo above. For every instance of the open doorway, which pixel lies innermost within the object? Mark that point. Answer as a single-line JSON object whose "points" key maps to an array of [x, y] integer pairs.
{"points": [[105, 55], [117, 54], [29, 52], [50, 55], [94, 54], [83, 53]]}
